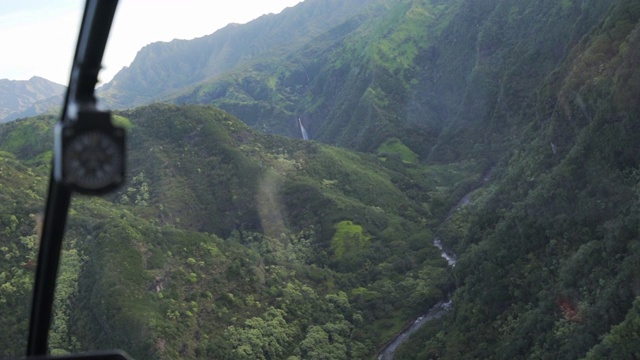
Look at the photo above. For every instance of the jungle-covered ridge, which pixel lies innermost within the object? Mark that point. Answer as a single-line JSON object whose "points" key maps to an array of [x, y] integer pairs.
{"points": [[232, 241]]}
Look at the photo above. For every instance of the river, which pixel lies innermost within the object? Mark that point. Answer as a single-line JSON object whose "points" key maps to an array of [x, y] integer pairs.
{"points": [[443, 306], [435, 312]]}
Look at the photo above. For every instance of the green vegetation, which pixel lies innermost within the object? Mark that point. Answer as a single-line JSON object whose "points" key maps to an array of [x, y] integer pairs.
{"points": [[229, 243], [122, 121], [348, 240]]}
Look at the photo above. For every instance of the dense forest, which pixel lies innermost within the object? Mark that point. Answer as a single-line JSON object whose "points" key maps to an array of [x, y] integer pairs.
{"points": [[229, 243], [234, 240]]}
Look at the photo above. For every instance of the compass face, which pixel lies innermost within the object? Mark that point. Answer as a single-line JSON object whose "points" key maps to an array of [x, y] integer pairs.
{"points": [[93, 160]]}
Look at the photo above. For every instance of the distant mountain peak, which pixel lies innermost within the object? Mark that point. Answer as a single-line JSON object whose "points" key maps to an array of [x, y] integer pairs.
{"points": [[23, 98]]}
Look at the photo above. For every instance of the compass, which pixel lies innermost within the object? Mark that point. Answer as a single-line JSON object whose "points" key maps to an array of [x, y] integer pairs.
{"points": [[91, 154]]}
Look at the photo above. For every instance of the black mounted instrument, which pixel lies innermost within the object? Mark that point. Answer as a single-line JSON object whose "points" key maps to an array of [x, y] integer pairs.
{"points": [[89, 158]]}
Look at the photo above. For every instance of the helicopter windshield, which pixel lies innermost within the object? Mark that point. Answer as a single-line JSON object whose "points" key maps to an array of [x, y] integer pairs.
{"points": [[344, 179]]}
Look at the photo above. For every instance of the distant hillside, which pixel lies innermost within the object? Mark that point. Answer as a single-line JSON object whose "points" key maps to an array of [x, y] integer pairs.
{"points": [[162, 68], [23, 98]]}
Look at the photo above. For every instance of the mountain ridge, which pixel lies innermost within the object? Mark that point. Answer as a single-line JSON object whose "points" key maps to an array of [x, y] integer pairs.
{"points": [[24, 98], [190, 61]]}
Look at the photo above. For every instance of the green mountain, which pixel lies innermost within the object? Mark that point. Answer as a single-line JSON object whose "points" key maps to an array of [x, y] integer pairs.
{"points": [[230, 243], [449, 79], [356, 85], [161, 69], [24, 98]]}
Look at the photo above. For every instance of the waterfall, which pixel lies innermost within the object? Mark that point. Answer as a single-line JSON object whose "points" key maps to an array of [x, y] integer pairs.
{"points": [[305, 135]]}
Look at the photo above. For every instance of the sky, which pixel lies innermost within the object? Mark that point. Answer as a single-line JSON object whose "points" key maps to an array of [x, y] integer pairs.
{"points": [[37, 37]]}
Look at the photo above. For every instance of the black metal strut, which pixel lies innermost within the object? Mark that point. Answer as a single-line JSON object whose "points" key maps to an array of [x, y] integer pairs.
{"points": [[94, 31]]}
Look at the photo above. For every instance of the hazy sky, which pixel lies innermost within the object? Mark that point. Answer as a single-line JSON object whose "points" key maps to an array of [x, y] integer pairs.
{"points": [[37, 37]]}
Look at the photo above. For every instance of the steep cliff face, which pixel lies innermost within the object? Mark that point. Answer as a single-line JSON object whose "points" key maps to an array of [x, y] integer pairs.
{"points": [[549, 249], [352, 85]]}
